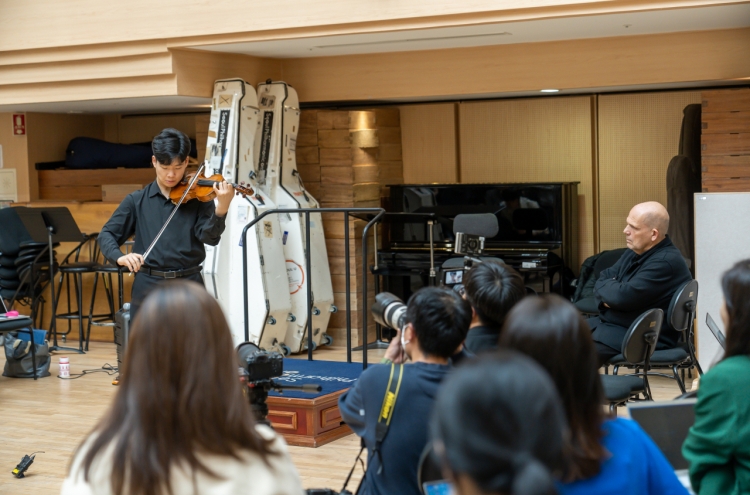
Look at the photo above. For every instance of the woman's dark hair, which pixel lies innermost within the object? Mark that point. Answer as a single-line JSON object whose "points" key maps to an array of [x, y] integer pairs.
{"points": [[499, 420], [441, 320], [735, 284], [492, 288], [551, 331], [180, 394], [170, 144]]}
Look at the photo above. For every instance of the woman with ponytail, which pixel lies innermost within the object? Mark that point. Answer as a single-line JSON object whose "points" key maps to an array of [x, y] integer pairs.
{"points": [[602, 455], [718, 445], [498, 427]]}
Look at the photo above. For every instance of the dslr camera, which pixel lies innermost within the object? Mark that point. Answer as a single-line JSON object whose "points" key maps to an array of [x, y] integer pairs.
{"points": [[258, 368], [258, 365]]}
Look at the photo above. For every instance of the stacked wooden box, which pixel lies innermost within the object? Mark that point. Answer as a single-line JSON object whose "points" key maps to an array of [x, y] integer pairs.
{"points": [[725, 140], [345, 158]]}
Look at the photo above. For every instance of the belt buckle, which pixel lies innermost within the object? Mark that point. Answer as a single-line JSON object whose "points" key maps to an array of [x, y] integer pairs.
{"points": [[171, 274]]}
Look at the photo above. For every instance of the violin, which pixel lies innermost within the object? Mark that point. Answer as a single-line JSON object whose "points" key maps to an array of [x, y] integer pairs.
{"points": [[203, 189]]}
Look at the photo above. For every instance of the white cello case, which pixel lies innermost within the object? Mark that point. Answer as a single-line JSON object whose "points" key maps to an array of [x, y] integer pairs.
{"points": [[278, 177], [229, 151]]}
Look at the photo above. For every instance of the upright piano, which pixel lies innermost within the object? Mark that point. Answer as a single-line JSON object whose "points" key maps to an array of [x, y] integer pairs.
{"points": [[537, 235]]}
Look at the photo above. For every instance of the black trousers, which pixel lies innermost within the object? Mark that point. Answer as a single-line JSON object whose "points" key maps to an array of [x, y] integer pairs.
{"points": [[605, 353], [144, 284]]}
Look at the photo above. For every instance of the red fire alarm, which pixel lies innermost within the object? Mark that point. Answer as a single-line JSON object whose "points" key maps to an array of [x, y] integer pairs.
{"points": [[19, 124]]}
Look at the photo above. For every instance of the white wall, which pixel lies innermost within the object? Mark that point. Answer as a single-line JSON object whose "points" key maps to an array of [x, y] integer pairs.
{"points": [[722, 238]]}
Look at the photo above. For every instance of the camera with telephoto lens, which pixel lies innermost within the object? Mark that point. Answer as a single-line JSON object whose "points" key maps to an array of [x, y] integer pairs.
{"points": [[389, 311]]}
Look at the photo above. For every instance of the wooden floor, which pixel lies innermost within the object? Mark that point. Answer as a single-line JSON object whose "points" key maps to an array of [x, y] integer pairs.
{"points": [[54, 415]]}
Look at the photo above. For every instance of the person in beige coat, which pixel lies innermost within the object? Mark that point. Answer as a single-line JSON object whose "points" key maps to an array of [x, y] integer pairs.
{"points": [[179, 423]]}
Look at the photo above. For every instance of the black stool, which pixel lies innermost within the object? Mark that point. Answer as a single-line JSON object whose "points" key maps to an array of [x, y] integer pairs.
{"points": [[105, 320], [75, 269]]}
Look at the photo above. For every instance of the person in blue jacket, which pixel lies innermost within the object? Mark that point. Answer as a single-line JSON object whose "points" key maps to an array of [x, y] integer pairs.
{"points": [[604, 455], [437, 321]]}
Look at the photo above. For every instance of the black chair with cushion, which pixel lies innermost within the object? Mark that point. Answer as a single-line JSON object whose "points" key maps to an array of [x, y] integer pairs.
{"points": [[585, 301], [680, 317], [637, 347], [21, 324]]}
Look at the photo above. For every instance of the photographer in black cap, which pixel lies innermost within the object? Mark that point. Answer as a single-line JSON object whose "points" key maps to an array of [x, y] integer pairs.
{"points": [[436, 323]]}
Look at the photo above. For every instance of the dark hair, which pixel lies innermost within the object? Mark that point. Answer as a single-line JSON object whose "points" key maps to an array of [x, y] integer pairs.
{"points": [[180, 394], [550, 330], [441, 320], [492, 288], [498, 420], [735, 284], [170, 144]]}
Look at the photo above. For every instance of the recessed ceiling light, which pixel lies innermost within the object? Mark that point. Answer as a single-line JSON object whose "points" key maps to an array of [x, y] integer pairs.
{"points": [[550, 90]]}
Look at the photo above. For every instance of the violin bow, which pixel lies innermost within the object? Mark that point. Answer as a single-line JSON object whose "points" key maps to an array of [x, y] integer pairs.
{"points": [[174, 210]]}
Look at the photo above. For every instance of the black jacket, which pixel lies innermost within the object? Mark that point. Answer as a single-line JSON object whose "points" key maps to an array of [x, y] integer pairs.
{"points": [[482, 339], [407, 435], [635, 284]]}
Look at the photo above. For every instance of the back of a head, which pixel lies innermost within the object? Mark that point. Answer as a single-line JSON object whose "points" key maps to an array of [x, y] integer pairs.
{"points": [[551, 331], [170, 144], [492, 288], [179, 395], [498, 421], [735, 286], [441, 320]]}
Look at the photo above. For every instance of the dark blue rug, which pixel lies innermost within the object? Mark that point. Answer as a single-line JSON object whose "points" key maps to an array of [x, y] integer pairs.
{"points": [[331, 375]]}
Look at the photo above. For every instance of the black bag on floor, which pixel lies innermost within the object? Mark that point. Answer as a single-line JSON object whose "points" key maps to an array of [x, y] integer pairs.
{"points": [[18, 362]]}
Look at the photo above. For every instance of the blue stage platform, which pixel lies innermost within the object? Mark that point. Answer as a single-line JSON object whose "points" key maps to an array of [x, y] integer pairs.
{"points": [[331, 375]]}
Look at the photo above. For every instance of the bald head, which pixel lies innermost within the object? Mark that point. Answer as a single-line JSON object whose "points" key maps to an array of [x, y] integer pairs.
{"points": [[647, 226]]}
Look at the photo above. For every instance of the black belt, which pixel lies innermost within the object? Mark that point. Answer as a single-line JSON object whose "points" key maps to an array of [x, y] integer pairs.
{"points": [[171, 273]]}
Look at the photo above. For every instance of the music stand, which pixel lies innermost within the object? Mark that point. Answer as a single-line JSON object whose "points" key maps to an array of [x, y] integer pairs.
{"points": [[51, 225]]}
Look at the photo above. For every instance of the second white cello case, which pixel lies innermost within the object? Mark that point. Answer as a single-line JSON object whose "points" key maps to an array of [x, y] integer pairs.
{"points": [[278, 177]]}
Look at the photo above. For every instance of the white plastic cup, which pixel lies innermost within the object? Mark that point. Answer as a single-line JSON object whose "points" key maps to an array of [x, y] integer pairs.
{"points": [[64, 368]]}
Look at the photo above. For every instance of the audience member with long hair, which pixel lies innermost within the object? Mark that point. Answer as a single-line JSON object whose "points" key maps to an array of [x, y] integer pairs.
{"points": [[179, 423], [498, 427], [718, 445], [603, 456]]}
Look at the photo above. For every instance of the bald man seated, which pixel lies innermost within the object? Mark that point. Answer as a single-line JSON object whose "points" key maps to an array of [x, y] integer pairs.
{"points": [[645, 277]]}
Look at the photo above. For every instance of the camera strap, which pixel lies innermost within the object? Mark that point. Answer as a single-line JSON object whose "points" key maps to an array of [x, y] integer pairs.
{"points": [[386, 410], [384, 421]]}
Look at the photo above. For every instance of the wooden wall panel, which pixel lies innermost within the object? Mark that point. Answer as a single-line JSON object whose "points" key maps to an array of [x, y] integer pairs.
{"points": [[429, 143], [532, 140], [49, 135], [143, 128], [725, 140], [638, 136]]}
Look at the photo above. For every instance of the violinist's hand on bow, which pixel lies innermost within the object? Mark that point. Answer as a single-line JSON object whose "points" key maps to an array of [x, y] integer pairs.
{"points": [[224, 195], [131, 260]]}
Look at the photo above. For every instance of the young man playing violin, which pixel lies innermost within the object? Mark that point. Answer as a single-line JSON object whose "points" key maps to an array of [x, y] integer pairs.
{"points": [[179, 251]]}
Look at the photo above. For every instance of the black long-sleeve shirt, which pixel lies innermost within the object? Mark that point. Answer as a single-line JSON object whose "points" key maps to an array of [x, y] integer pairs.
{"points": [[144, 212]]}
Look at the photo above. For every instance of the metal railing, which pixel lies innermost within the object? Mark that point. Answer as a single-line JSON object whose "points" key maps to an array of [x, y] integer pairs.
{"points": [[378, 213]]}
